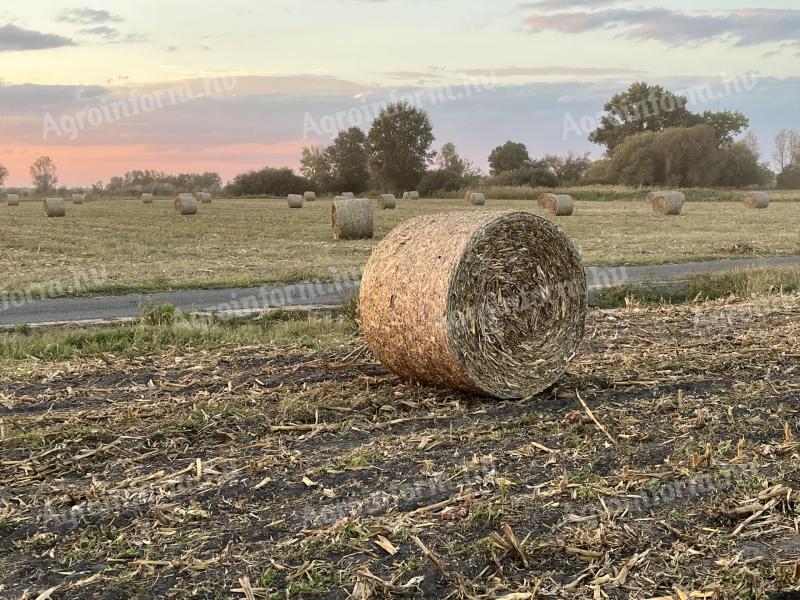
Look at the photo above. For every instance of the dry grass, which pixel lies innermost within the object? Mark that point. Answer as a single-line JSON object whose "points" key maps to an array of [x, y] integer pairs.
{"points": [[246, 242]]}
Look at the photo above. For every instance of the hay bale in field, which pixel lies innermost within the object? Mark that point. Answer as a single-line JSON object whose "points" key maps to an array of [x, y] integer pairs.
{"points": [[559, 205], [351, 219], [347, 195], [295, 201], [204, 197], [78, 198], [185, 204], [12, 199], [147, 198], [309, 196], [410, 195], [489, 302], [477, 199], [54, 207], [387, 201], [757, 200], [667, 203]]}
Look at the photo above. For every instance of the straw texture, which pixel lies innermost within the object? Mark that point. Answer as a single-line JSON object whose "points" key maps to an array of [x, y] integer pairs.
{"points": [[295, 201], [309, 196], [186, 204], [54, 207], [488, 302], [347, 195], [757, 200], [477, 199], [667, 203], [559, 205], [410, 195], [387, 201], [351, 219]]}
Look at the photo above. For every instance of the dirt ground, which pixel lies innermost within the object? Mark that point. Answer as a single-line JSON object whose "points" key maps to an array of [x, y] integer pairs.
{"points": [[665, 464]]}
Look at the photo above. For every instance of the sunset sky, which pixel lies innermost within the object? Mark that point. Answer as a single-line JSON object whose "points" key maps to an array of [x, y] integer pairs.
{"points": [[231, 86]]}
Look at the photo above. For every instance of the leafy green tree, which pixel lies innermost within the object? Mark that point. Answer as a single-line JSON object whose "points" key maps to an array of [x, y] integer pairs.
{"points": [[315, 166], [348, 159], [726, 125], [636, 162], [569, 168], [44, 174], [687, 156], [3, 174], [278, 182], [511, 156], [440, 180], [400, 146], [739, 167]]}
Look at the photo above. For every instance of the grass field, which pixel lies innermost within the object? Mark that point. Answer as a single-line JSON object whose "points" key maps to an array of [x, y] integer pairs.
{"points": [[663, 465], [123, 245]]}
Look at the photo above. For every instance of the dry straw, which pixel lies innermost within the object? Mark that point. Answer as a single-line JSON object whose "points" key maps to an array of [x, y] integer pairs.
{"points": [[558, 205], [347, 195], [387, 201], [295, 201], [147, 198], [54, 207], [12, 199], [78, 198], [488, 302], [309, 196], [204, 197], [351, 219], [667, 203], [410, 195], [185, 204], [477, 199], [757, 200]]}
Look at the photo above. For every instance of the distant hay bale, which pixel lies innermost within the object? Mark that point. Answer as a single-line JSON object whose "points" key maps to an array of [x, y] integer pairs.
{"points": [[477, 199], [295, 201], [351, 219], [78, 198], [387, 201], [410, 195], [490, 302], [55, 207], [667, 203], [204, 197], [147, 198], [309, 196], [559, 205], [12, 199], [185, 204], [348, 195], [757, 200]]}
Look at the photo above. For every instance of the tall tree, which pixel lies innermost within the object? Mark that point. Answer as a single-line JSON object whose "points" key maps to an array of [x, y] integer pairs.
{"points": [[570, 168], [315, 166], [400, 146], [348, 159], [3, 174], [787, 148], [726, 124], [509, 157], [43, 174]]}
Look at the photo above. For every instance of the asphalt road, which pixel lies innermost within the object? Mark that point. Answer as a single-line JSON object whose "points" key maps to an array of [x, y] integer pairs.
{"points": [[244, 300]]}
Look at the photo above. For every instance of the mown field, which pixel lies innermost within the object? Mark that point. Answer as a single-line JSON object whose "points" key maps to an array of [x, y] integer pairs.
{"points": [[122, 245], [665, 464]]}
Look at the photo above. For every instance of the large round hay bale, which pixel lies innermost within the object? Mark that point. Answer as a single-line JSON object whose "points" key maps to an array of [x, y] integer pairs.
{"points": [[559, 205], [488, 302], [185, 204], [351, 219], [309, 196], [204, 197], [348, 195], [477, 199], [12, 199], [147, 198], [757, 200], [54, 207], [295, 201], [410, 195], [667, 203], [78, 198], [387, 201]]}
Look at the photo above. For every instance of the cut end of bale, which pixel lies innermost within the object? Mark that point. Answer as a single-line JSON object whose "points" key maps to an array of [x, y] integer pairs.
{"points": [[295, 201], [387, 201], [558, 205], [351, 219], [55, 207], [757, 200], [488, 302], [185, 204], [667, 203]]}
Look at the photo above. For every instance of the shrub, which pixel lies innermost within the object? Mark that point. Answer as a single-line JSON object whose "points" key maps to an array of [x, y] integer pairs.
{"points": [[441, 180], [789, 179]]}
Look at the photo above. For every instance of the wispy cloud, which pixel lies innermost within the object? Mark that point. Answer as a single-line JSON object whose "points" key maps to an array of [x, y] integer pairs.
{"points": [[15, 39], [88, 16], [551, 71]]}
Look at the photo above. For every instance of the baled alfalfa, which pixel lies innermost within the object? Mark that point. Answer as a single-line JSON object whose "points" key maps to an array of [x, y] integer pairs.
{"points": [[387, 201], [757, 200], [55, 207], [490, 302], [560, 205], [12, 199], [477, 199], [309, 196], [78, 198], [204, 197], [295, 201], [351, 219], [667, 203], [186, 204], [410, 195], [347, 195], [147, 198]]}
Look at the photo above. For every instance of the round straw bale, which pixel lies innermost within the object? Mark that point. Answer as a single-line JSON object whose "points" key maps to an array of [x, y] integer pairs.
{"points": [[477, 199], [12, 199], [147, 198], [351, 219], [667, 203], [387, 201], [488, 302], [295, 201], [757, 200], [348, 195], [186, 204], [411, 196], [204, 197], [78, 198], [309, 196], [560, 205], [54, 207]]}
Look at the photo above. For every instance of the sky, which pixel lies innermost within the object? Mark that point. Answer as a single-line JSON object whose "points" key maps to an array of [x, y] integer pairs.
{"points": [[177, 85]]}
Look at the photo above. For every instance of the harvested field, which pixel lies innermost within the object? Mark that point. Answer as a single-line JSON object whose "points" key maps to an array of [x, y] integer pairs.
{"points": [[663, 465], [249, 242]]}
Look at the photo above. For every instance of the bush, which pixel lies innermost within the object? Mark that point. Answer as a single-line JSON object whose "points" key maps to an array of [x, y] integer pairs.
{"points": [[441, 180], [533, 176], [278, 182], [789, 179]]}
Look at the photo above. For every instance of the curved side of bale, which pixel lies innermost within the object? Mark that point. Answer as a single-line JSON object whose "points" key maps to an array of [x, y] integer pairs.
{"points": [[387, 201], [757, 200], [488, 302], [347, 195], [351, 219], [477, 199], [55, 207], [78, 198], [185, 204], [413, 195], [147, 198], [667, 203], [204, 197], [295, 201], [309, 196], [12, 199], [562, 206]]}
